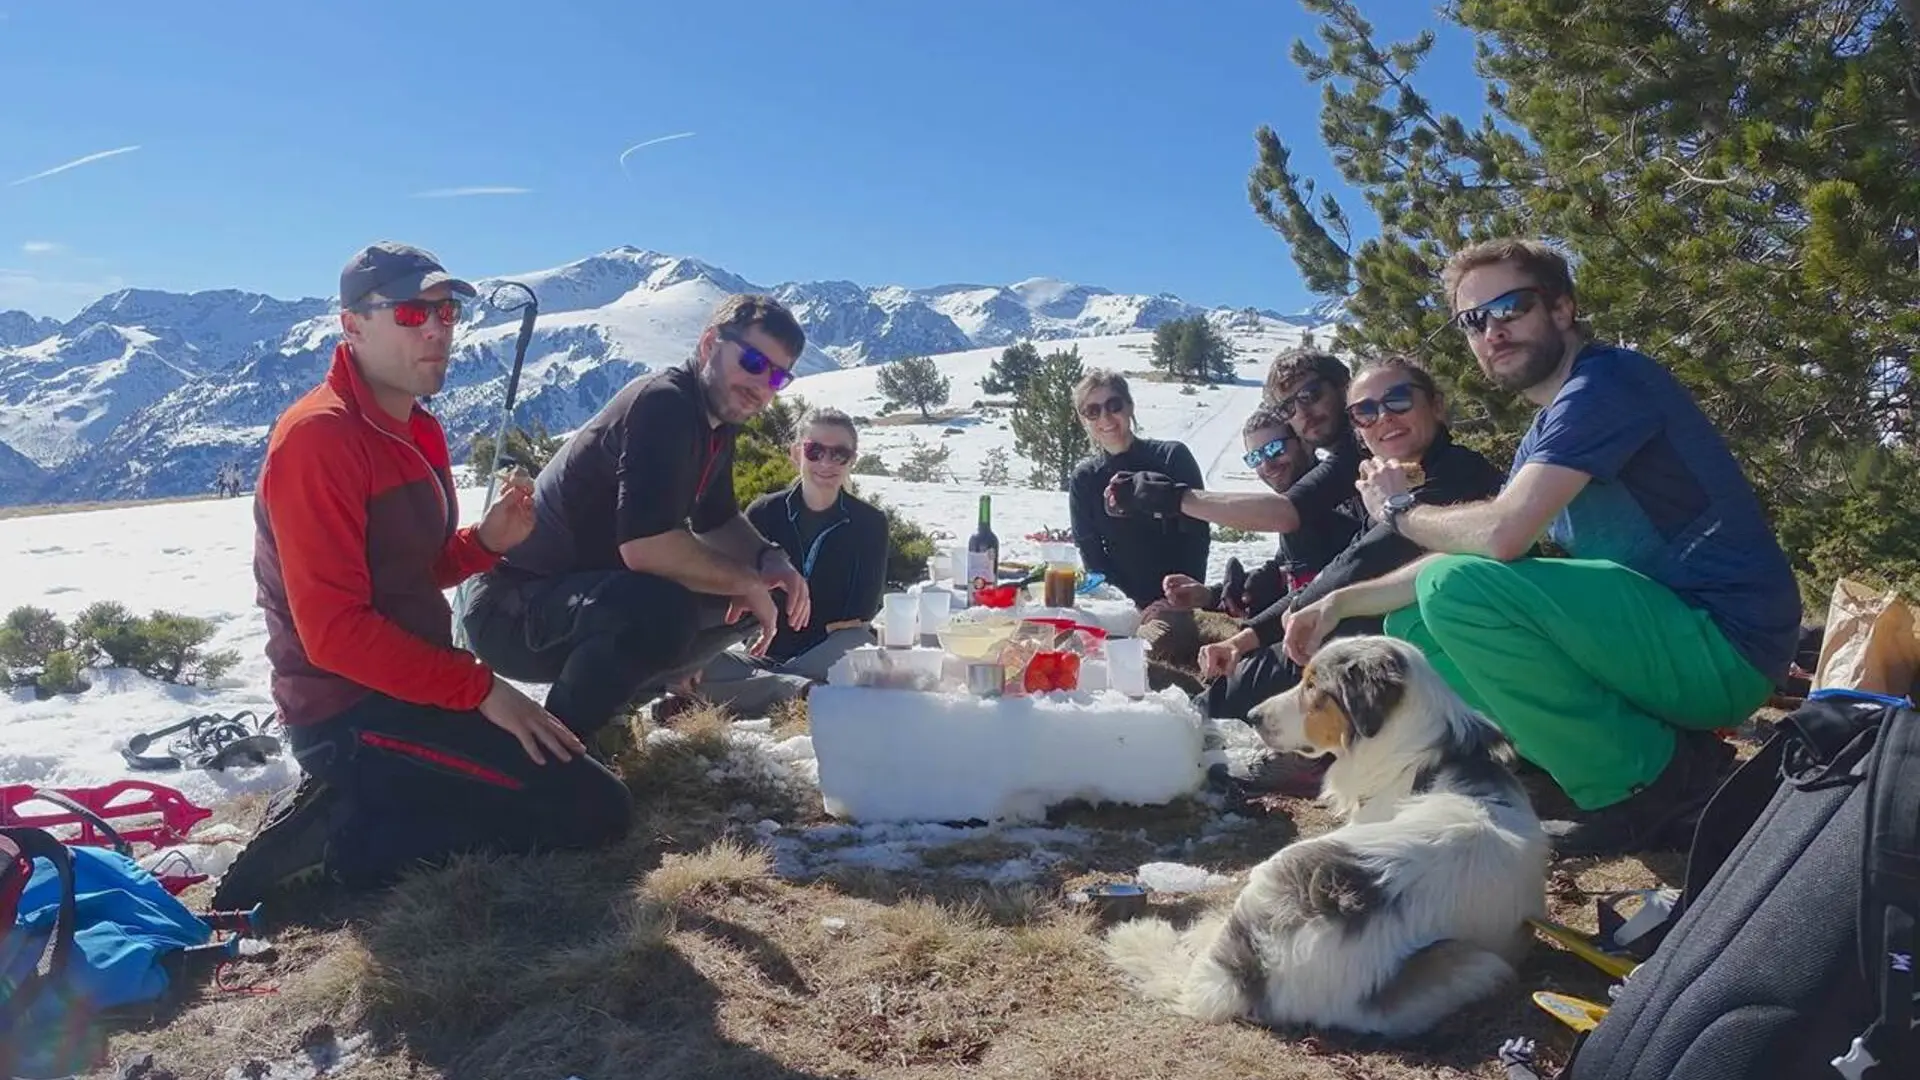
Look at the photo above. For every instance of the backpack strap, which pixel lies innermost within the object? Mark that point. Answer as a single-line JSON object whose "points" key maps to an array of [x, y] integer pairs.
{"points": [[1890, 899], [38, 843]]}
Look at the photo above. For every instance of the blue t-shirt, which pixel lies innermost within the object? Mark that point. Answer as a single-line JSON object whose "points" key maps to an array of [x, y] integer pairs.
{"points": [[1667, 499]]}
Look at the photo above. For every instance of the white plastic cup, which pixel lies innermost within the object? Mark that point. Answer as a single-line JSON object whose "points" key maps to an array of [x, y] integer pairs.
{"points": [[936, 606], [1127, 665], [958, 559], [900, 620]]}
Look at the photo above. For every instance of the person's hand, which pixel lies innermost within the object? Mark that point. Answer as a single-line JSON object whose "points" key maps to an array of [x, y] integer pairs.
{"points": [[1217, 659], [1380, 480], [1144, 494], [1184, 592], [1307, 627], [509, 521], [537, 729], [778, 572], [760, 602]]}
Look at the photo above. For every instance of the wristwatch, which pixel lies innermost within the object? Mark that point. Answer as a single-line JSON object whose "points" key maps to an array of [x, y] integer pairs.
{"points": [[1397, 505]]}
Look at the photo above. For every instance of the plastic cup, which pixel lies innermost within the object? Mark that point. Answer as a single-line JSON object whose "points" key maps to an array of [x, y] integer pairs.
{"points": [[1127, 665], [936, 607], [900, 620]]}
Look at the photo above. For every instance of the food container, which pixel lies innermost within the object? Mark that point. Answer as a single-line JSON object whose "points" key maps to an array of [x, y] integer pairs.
{"points": [[976, 641], [1111, 901], [986, 679]]}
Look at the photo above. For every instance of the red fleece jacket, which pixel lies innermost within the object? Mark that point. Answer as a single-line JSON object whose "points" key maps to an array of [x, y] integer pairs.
{"points": [[355, 542]]}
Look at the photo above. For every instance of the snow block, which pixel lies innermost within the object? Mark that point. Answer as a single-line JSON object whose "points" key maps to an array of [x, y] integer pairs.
{"points": [[903, 755]]}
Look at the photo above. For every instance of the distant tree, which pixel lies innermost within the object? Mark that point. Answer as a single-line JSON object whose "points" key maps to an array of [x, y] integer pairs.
{"points": [[1191, 349], [914, 381], [925, 464], [1011, 371], [996, 471], [1046, 430], [530, 449]]}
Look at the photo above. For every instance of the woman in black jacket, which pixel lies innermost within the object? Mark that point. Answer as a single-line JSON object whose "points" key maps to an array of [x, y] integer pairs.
{"points": [[1399, 414], [1136, 554]]}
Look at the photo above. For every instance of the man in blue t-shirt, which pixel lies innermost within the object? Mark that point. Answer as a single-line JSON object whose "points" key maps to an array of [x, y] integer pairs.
{"points": [[1676, 612]]}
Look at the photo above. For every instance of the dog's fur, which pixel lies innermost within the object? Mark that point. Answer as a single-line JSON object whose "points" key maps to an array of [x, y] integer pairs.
{"points": [[1411, 909]]}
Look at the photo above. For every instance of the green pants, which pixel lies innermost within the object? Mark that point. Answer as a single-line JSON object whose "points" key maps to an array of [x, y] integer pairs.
{"points": [[1586, 665]]}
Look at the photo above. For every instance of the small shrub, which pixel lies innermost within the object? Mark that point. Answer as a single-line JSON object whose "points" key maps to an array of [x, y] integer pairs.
{"points": [[909, 548], [1227, 534], [173, 649], [29, 637], [996, 471], [108, 631], [870, 465], [926, 464], [64, 674]]}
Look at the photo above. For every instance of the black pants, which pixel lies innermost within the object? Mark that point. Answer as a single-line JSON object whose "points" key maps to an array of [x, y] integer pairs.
{"points": [[416, 784], [1264, 673], [602, 638]]}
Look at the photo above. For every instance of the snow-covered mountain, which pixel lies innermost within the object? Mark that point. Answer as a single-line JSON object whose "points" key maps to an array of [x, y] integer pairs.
{"points": [[147, 393]]}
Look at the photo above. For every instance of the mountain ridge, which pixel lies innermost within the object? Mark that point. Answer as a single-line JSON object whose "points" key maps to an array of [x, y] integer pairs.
{"points": [[148, 392]]}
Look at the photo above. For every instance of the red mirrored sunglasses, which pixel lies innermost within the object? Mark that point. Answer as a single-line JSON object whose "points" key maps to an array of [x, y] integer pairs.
{"points": [[412, 313]]}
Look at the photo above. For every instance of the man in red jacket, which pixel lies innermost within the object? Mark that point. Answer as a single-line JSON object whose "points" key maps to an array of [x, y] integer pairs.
{"points": [[410, 748]]}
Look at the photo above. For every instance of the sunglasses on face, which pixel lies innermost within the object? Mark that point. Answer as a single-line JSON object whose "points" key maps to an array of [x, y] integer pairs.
{"points": [[819, 451], [1093, 410], [1271, 451], [755, 362], [412, 313], [1309, 394], [1505, 308], [1367, 411]]}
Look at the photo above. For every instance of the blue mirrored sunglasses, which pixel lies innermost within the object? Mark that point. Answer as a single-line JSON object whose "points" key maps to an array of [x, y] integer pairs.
{"points": [[755, 362], [1261, 454], [1505, 308]]}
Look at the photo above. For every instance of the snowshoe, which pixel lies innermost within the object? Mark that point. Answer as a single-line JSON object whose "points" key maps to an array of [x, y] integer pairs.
{"points": [[209, 741]]}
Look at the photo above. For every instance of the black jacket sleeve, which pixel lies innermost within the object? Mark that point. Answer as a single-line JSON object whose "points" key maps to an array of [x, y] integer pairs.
{"points": [[1195, 537], [1455, 474], [871, 579], [1328, 485], [1085, 502]]}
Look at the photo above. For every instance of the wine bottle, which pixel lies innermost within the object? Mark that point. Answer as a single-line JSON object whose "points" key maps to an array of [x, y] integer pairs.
{"points": [[983, 554]]}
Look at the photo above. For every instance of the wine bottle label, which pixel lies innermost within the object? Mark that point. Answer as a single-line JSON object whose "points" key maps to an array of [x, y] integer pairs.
{"points": [[981, 571]]}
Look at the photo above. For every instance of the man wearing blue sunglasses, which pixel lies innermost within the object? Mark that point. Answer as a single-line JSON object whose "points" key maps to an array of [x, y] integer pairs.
{"points": [[641, 565], [1677, 612]]}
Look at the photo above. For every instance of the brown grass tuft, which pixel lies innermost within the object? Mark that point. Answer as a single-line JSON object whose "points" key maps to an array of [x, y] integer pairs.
{"points": [[725, 868]]}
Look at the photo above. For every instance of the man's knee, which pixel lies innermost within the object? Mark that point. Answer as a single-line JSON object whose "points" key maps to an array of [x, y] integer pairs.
{"points": [[1454, 584], [606, 807]]}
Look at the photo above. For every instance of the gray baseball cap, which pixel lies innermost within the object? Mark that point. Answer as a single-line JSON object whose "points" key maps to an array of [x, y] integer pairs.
{"points": [[394, 271]]}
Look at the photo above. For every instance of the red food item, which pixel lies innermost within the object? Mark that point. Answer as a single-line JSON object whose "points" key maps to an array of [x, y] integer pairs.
{"points": [[1052, 671], [996, 596]]}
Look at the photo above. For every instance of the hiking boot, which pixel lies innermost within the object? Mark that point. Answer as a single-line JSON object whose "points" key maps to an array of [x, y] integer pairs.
{"points": [[1649, 817], [290, 849]]}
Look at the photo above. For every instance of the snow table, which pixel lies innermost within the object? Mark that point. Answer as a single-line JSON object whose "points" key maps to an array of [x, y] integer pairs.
{"points": [[908, 755]]}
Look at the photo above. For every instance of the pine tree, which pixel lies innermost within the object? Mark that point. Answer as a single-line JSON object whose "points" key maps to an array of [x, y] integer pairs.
{"points": [[1736, 185], [1192, 350], [914, 381], [1046, 429], [1009, 374]]}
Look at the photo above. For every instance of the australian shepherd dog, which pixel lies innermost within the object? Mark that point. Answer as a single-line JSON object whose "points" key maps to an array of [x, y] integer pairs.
{"points": [[1414, 907]]}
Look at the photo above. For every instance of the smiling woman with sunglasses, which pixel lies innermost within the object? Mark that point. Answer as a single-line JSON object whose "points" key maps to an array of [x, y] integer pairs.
{"points": [[1135, 554], [1400, 415]]}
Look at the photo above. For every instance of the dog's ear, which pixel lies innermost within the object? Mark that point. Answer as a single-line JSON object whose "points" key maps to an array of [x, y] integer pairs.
{"points": [[1368, 681]]}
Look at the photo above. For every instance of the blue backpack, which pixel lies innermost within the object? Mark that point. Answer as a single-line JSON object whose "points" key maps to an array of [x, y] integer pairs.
{"points": [[88, 931]]}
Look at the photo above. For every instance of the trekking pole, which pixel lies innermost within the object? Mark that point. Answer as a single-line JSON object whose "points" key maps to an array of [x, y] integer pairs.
{"points": [[529, 309]]}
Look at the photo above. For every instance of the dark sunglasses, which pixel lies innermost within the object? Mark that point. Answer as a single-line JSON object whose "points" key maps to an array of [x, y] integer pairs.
{"points": [[1505, 308], [818, 451], [1309, 394], [412, 313], [755, 362], [1259, 455], [1113, 406], [1367, 411]]}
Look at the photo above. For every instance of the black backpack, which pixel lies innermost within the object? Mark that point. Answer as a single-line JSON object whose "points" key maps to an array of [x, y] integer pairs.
{"points": [[1791, 954]]}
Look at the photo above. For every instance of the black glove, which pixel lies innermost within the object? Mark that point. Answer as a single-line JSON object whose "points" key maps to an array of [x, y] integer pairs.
{"points": [[1144, 494], [1233, 591]]}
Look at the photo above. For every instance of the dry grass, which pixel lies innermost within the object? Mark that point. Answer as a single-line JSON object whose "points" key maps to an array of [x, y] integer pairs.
{"points": [[682, 954]]}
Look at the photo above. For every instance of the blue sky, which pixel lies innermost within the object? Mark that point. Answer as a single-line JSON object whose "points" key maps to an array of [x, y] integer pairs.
{"points": [[913, 143]]}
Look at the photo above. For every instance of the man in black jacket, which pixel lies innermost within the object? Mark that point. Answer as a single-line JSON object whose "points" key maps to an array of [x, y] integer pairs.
{"points": [[839, 542]]}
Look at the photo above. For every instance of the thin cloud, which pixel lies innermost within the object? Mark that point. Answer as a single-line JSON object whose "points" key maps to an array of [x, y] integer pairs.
{"points": [[652, 142], [74, 164], [464, 192], [39, 247]]}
